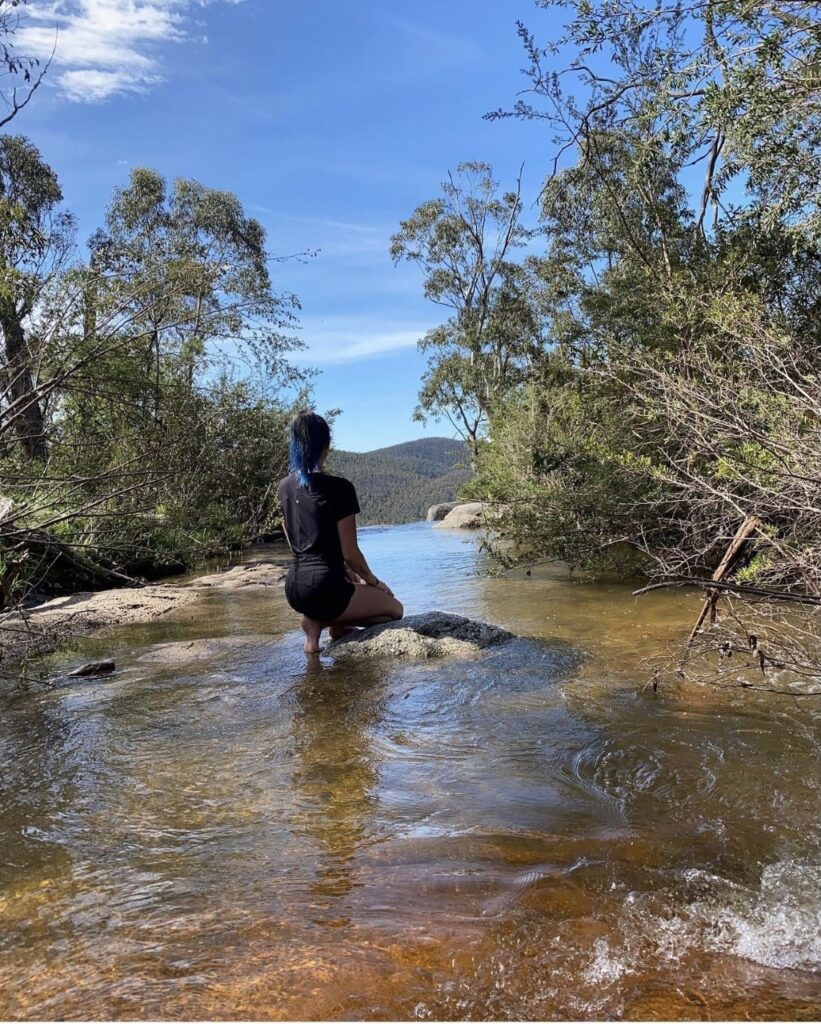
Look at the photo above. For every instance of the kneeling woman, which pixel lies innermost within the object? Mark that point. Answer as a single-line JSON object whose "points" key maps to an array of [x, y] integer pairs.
{"points": [[329, 583]]}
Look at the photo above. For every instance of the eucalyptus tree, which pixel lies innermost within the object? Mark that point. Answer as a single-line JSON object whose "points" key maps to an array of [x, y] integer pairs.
{"points": [[36, 243], [140, 448], [732, 87], [176, 298], [464, 241], [641, 99], [682, 282], [182, 273]]}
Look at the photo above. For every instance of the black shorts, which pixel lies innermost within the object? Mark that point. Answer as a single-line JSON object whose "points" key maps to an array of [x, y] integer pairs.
{"points": [[321, 592]]}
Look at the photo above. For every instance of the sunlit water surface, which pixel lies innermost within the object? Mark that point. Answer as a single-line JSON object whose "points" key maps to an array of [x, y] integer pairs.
{"points": [[533, 835]]}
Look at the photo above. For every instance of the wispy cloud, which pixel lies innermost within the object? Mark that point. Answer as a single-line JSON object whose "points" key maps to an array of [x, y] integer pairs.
{"points": [[107, 47], [323, 222], [344, 339], [328, 236], [434, 46]]}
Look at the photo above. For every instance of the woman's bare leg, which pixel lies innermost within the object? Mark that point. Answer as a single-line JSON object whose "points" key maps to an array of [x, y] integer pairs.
{"points": [[369, 606], [312, 630]]}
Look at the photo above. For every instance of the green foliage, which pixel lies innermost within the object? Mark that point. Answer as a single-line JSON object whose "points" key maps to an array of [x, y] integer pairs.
{"points": [[127, 435], [670, 385], [463, 242]]}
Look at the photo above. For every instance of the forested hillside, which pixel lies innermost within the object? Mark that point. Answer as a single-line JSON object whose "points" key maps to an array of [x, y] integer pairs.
{"points": [[399, 483]]}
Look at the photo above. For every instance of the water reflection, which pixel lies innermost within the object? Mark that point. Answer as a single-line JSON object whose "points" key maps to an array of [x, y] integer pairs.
{"points": [[336, 768], [45, 774]]}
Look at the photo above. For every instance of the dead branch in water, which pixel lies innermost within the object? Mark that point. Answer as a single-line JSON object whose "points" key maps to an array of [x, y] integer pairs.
{"points": [[747, 528], [741, 589]]}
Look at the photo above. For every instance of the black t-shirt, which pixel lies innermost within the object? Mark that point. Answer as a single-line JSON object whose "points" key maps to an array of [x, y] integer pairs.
{"points": [[311, 514]]}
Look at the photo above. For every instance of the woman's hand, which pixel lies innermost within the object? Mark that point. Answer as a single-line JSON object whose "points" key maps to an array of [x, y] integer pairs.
{"points": [[381, 586]]}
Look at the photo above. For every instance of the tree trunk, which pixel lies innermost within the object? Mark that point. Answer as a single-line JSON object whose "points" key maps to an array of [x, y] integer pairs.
{"points": [[473, 451], [25, 410]]}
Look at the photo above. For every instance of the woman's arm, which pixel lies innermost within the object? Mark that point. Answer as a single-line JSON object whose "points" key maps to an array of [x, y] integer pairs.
{"points": [[354, 558]]}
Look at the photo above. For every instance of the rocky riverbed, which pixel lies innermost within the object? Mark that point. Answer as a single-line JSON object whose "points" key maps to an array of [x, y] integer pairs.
{"points": [[223, 828], [48, 626]]}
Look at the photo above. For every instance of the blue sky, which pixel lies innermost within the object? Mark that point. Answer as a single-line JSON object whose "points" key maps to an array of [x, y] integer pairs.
{"points": [[330, 121]]}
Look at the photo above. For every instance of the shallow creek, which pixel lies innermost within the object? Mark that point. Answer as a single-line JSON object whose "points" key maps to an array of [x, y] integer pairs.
{"points": [[533, 835]]}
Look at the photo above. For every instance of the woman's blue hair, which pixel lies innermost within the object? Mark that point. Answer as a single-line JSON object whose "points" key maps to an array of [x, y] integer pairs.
{"points": [[309, 436]]}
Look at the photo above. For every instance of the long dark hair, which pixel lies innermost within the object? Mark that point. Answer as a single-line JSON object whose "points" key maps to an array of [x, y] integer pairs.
{"points": [[309, 436]]}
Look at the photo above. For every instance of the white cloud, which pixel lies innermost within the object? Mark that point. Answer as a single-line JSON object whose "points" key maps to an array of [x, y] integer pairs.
{"points": [[94, 86], [344, 339], [106, 47]]}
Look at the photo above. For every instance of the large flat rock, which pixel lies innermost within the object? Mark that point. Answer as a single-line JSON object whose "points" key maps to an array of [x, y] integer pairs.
{"points": [[468, 516], [47, 626], [247, 574], [437, 512], [431, 635]]}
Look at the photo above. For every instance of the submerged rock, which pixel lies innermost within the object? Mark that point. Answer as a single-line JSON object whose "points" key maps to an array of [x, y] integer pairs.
{"points": [[431, 635], [206, 649], [95, 668]]}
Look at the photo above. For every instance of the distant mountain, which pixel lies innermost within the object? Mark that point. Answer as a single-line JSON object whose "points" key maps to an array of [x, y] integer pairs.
{"points": [[398, 484]]}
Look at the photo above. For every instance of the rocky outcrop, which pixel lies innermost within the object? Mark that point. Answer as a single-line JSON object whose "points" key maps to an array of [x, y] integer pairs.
{"points": [[249, 574], [437, 512], [432, 635], [469, 516], [46, 626]]}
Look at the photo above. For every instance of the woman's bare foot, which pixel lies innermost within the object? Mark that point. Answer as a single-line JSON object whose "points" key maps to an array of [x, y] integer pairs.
{"points": [[312, 630], [335, 632]]}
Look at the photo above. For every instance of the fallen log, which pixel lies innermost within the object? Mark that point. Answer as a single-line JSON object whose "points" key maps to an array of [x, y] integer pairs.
{"points": [[53, 567]]}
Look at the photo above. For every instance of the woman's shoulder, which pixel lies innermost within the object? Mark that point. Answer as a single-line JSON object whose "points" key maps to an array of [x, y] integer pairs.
{"points": [[331, 478], [285, 484], [333, 484], [341, 492]]}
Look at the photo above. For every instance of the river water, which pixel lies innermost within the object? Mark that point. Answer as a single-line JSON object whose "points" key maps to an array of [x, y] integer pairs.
{"points": [[533, 835]]}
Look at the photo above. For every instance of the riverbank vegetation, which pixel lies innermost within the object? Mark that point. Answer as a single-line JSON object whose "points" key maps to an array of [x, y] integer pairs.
{"points": [[129, 443], [144, 377], [638, 373]]}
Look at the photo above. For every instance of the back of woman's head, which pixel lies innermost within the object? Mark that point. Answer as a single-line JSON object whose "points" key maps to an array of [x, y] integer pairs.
{"points": [[309, 436]]}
